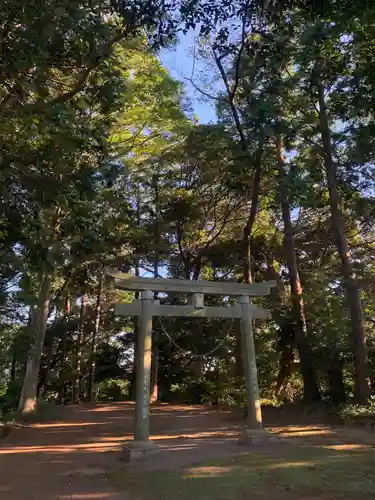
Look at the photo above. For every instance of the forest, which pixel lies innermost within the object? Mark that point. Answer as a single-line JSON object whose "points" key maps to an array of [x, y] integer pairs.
{"points": [[104, 164]]}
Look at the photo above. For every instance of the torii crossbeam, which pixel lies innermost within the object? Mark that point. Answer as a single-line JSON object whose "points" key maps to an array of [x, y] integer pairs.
{"points": [[146, 307]]}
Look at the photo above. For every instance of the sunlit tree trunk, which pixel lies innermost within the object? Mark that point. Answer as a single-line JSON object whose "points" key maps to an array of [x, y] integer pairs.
{"points": [[78, 351], [246, 255], [135, 318], [28, 399], [154, 386], [358, 334], [231, 90], [310, 384], [94, 338], [48, 349], [155, 374]]}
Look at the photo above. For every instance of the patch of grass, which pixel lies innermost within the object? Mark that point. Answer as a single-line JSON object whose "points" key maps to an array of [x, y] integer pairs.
{"points": [[298, 473]]}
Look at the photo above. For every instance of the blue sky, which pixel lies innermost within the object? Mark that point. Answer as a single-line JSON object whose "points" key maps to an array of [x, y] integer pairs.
{"points": [[179, 62]]}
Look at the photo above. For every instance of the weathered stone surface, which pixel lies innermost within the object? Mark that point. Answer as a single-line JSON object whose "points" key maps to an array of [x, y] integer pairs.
{"points": [[136, 450], [127, 282], [255, 437]]}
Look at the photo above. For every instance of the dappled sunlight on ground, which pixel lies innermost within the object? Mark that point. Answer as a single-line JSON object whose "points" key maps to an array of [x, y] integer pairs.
{"points": [[93, 448], [90, 438], [207, 471], [285, 465], [75, 451], [90, 496], [110, 408], [67, 425], [299, 431], [347, 447], [275, 473]]}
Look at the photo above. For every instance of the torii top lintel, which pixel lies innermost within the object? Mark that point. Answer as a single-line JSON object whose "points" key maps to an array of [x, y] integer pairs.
{"points": [[232, 288]]}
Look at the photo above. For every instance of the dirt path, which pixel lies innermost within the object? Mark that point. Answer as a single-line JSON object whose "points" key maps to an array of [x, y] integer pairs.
{"points": [[67, 459]]}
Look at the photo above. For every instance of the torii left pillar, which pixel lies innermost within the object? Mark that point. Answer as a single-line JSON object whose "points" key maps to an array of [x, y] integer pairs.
{"points": [[142, 445]]}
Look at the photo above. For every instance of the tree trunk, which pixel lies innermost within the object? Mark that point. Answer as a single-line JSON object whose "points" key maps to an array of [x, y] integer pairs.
{"points": [[246, 239], [154, 389], [246, 256], [358, 334], [43, 383], [28, 399], [337, 393], [133, 374], [64, 349], [310, 384], [95, 334], [286, 363], [13, 366], [248, 229], [154, 386], [77, 355]]}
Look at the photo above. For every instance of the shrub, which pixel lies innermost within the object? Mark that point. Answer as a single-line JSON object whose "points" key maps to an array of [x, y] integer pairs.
{"points": [[364, 414], [9, 399], [113, 390]]}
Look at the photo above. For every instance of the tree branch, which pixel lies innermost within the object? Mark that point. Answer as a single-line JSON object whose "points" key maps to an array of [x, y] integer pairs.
{"points": [[94, 63], [203, 92], [81, 81]]}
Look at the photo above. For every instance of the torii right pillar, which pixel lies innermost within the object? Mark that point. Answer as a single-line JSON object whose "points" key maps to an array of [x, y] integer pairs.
{"points": [[254, 433]]}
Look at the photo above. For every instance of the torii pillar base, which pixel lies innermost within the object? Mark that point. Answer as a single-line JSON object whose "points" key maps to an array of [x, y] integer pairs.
{"points": [[255, 437], [136, 450]]}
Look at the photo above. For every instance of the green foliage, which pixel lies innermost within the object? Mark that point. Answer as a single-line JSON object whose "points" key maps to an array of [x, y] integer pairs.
{"points": [[194, 392], [102, 165], [359, 414], [112, 390]]}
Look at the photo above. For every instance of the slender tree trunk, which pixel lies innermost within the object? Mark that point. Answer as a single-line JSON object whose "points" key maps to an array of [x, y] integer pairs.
{"points": [[246, 254], [13, 366], [335, 378], [286, 339], [155, 374], [286, 363], [68, 306], [358, 334], [77, 355], [44, 371], [246, 239], [135, 318], [310, 384], [31, 328], [28, 400], [64, 349], [95, 334], [42, 389], [154, 386], [248, 229]]}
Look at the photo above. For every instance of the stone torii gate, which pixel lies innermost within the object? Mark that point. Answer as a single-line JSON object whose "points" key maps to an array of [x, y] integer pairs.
{"points": [[146, 307]]}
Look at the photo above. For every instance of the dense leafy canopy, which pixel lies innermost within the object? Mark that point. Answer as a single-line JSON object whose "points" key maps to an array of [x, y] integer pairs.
{"points": [[102, 163]]}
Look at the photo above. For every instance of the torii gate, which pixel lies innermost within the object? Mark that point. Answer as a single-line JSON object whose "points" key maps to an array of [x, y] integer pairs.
{"points": [[146, 307]]}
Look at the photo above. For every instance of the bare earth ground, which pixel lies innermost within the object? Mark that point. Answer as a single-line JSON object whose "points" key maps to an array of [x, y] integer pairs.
{"points": [[75, 456]]}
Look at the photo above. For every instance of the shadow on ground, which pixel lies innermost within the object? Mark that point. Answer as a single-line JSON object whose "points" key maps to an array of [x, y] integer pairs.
{"points": [[70, 458]]}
